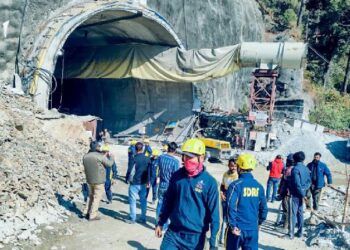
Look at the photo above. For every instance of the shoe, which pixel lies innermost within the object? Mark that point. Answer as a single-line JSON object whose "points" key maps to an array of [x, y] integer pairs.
{"points": [[141, 221], [287, 236], [130, 221], [299, 234], [96, 218], [109, 202]]}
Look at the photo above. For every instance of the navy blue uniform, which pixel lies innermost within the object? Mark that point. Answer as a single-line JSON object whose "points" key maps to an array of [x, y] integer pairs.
{"points": [[247, 208], [152, 177], [192, 204]]}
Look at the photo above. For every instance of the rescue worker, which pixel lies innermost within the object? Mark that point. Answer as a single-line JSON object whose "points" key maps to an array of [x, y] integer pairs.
{"points": [[148, 149], [229, 176], [275, 167], [168, 165], [131, 154], [191, 202], [152, 175], [94, 166], [318, 170], [111, 173], [247, 207], [137, 176], [300, 183]]}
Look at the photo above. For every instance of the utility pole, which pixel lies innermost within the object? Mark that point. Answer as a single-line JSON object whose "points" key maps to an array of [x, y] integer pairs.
{"points": [[347, 75]]}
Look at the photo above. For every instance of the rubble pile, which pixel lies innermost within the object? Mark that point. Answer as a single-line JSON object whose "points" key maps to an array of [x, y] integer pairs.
{"points": [[324, 230], [40, 176]]}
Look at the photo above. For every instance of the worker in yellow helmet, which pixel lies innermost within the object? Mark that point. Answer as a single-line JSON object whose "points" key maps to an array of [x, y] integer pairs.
{"points": [[152, 174], [111, 173], [147, 150], [247, 207], [191, 202]]}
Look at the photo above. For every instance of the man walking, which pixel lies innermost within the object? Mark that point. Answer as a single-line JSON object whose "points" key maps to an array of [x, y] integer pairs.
{"points": [[318, 171], [229, 176], [276, 168], [137, 176], [300, 183], [153, 173], [168, 164], [95, 163], [191, 202], [247, 207]]}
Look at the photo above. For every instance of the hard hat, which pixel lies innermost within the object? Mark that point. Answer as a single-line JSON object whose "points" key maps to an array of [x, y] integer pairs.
{"points": [[193, 147], [133, 142], [105, 148], [146, 141], [246, 161], [156, 152], [165, 147]]}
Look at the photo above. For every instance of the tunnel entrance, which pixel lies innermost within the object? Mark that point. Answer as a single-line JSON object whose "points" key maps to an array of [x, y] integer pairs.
{"points": [[121, 103]]}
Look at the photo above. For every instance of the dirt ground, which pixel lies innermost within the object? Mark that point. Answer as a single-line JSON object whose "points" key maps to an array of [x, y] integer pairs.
{"points": [[113, 233]]}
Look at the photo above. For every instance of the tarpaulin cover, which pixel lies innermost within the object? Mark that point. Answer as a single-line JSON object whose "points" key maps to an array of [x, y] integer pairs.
{"points": [[151, 62]]}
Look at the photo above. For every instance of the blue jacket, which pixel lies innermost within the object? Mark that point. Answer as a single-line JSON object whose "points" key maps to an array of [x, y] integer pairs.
{"points": [[246, 203], [148, 151], [192, 204], [153, 169], [300, 180], [168, 165], [317, 177], [131, 152]]}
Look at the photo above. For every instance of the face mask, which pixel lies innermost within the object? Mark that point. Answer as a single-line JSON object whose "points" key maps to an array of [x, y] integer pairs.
{"points": [[192, 167]]}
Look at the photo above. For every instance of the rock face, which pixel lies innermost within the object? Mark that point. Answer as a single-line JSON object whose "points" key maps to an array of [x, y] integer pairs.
{"points": [[209, 24], [200, 24], [40, 176]]}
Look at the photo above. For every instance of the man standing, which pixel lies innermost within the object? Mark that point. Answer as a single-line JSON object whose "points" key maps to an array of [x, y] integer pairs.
{"points": [[229, 176], [191, 202], [247, 207], [168, 164], [300, 183], [131, 154], [94, 166], [111, 173], [318, 170], [137, 176], [276, 168], [152, 174]]}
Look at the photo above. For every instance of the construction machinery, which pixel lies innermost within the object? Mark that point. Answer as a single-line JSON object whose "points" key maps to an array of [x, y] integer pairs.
{"points": [[217, 149]]}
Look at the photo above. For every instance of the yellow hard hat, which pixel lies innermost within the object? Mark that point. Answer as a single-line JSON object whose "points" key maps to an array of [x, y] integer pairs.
{"points": [[193, 146], [105, 148], [156, 152], [165, 147], [146, 140], [133, 142], [246, 161]]}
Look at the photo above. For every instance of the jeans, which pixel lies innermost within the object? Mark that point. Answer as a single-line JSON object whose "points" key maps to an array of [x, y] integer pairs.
{"points": [[297, 211], [182, 240], [154, 187], [108, 184], [272, 182], [134, 191], [161, 193], [224, 221], [248, 240]]}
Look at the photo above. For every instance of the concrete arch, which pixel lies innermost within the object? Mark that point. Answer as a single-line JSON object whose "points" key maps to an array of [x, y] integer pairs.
{"points": [[57, 30]]}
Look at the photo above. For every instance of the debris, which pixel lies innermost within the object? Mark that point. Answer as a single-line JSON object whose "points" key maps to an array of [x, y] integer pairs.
{"points": [[40, 175]]}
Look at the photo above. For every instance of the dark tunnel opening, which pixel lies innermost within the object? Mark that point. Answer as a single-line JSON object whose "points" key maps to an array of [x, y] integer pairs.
{"points": [[120, 103]]}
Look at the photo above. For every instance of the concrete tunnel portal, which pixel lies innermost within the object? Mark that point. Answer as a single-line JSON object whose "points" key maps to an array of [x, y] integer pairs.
{"points": [[121, 103]]}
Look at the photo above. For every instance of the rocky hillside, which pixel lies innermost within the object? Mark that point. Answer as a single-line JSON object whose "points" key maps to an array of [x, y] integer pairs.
{"points": [[37, 171]]}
